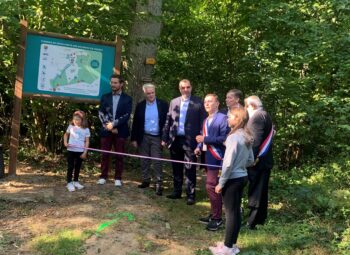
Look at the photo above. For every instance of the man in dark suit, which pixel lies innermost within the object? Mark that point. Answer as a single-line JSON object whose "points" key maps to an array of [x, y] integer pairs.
{"points": [[184, 122], [114, 113], [260, 124], [149, 119], [233, 100]]}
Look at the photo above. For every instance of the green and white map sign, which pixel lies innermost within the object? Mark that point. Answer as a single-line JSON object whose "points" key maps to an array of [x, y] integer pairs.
{"points": [[67, 68]]}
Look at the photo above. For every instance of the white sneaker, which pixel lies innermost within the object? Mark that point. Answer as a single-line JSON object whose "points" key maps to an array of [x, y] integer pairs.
{"points": [[221, 249], [235, 250], [78, 185], [70, 187], [101, 181], [118, 183]]}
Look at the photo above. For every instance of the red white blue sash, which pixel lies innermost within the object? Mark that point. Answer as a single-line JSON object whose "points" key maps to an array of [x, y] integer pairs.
{"points": [[214, 151], [264, 147]]}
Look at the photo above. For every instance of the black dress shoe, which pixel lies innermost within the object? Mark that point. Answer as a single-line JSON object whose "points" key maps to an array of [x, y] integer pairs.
{"points": [[174, 196], [144, 185], [190, 201]]}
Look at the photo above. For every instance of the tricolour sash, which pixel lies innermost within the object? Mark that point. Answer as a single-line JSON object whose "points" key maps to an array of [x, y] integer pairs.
{"points": [[264, 147], [214, 151]]}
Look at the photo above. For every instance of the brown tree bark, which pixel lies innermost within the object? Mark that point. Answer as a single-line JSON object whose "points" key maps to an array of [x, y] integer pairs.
{"points": [[142, 41]]}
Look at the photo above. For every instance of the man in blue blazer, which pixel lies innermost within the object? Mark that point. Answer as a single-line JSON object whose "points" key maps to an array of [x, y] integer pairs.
{"points": [[184, 122], [114, 113], [211, 142], [149, 119]]}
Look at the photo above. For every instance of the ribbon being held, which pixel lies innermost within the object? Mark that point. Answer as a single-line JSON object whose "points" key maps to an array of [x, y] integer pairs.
{"points": [[145, 157]]}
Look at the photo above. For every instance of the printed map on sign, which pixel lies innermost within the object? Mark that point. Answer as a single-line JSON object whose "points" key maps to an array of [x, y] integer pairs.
{"points": [[69, 70]]}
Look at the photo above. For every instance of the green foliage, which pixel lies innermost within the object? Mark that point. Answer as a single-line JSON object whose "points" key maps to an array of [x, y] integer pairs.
{"points": [[292, 54], [344, 244], [316, 196], [316, 190]]}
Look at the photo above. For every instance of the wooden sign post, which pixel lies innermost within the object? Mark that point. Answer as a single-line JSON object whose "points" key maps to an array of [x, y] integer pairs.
{"points": [[17, 100]]}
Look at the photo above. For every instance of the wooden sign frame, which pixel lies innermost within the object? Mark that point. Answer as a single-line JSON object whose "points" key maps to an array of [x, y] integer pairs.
{"points": [[18, 91]]}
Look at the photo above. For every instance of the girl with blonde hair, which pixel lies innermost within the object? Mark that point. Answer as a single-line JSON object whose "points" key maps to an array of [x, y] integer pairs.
{"points": [[238, 156]]}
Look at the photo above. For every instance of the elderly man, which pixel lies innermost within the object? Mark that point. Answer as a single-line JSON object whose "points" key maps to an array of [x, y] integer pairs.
{"points": [[260, 124], [149, 119], [184, 122]]}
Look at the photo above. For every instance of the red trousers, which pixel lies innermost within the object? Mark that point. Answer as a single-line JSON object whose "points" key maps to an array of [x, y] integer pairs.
{"points": [[119, 146]]}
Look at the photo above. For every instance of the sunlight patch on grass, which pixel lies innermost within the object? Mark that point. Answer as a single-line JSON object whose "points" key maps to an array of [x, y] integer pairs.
{"points": [[203, 203], [276, 207], [258, 239], [66, 242], [303, 237]]}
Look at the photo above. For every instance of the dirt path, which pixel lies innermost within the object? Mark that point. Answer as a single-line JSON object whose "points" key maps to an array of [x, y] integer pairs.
{"points": [[33, 204]]}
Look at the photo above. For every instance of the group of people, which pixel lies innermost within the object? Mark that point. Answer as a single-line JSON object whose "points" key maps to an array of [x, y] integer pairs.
{"points": [[235, 142]]}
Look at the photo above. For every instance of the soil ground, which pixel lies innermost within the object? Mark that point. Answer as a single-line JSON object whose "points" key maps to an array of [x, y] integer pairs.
{"points": [[35, 203]]}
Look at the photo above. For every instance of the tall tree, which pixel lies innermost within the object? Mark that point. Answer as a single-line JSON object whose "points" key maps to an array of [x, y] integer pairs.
{"points": [[142, 41]]}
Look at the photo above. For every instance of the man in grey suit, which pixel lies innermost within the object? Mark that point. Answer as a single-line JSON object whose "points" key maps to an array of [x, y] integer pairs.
{"points": [[184, 122]]}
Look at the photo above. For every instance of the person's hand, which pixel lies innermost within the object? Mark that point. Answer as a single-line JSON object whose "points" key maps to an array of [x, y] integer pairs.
{"points": [[197, 152], [218, 189], [65, 144], [134, 143], [84, 155], [109, 126], [115, 131], [163, 144], [200, 138]]}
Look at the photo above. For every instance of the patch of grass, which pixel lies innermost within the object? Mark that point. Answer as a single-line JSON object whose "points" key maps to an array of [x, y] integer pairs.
{"points": [[289, 229], [65, 242], [344, 244], [8, 242], [306, 237], [202, 252], [148, 246]]}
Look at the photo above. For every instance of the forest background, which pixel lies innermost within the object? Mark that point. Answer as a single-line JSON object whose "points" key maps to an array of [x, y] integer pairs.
{"points": [[294, 55]]}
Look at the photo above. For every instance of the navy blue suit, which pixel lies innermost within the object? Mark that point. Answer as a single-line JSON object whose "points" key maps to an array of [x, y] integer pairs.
{"points": [[215, 137], [217, 133], [122, 114], [109, 139]]}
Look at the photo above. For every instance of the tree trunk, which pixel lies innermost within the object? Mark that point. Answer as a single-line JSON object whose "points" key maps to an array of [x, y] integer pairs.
{"points": [[142, 41]]}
